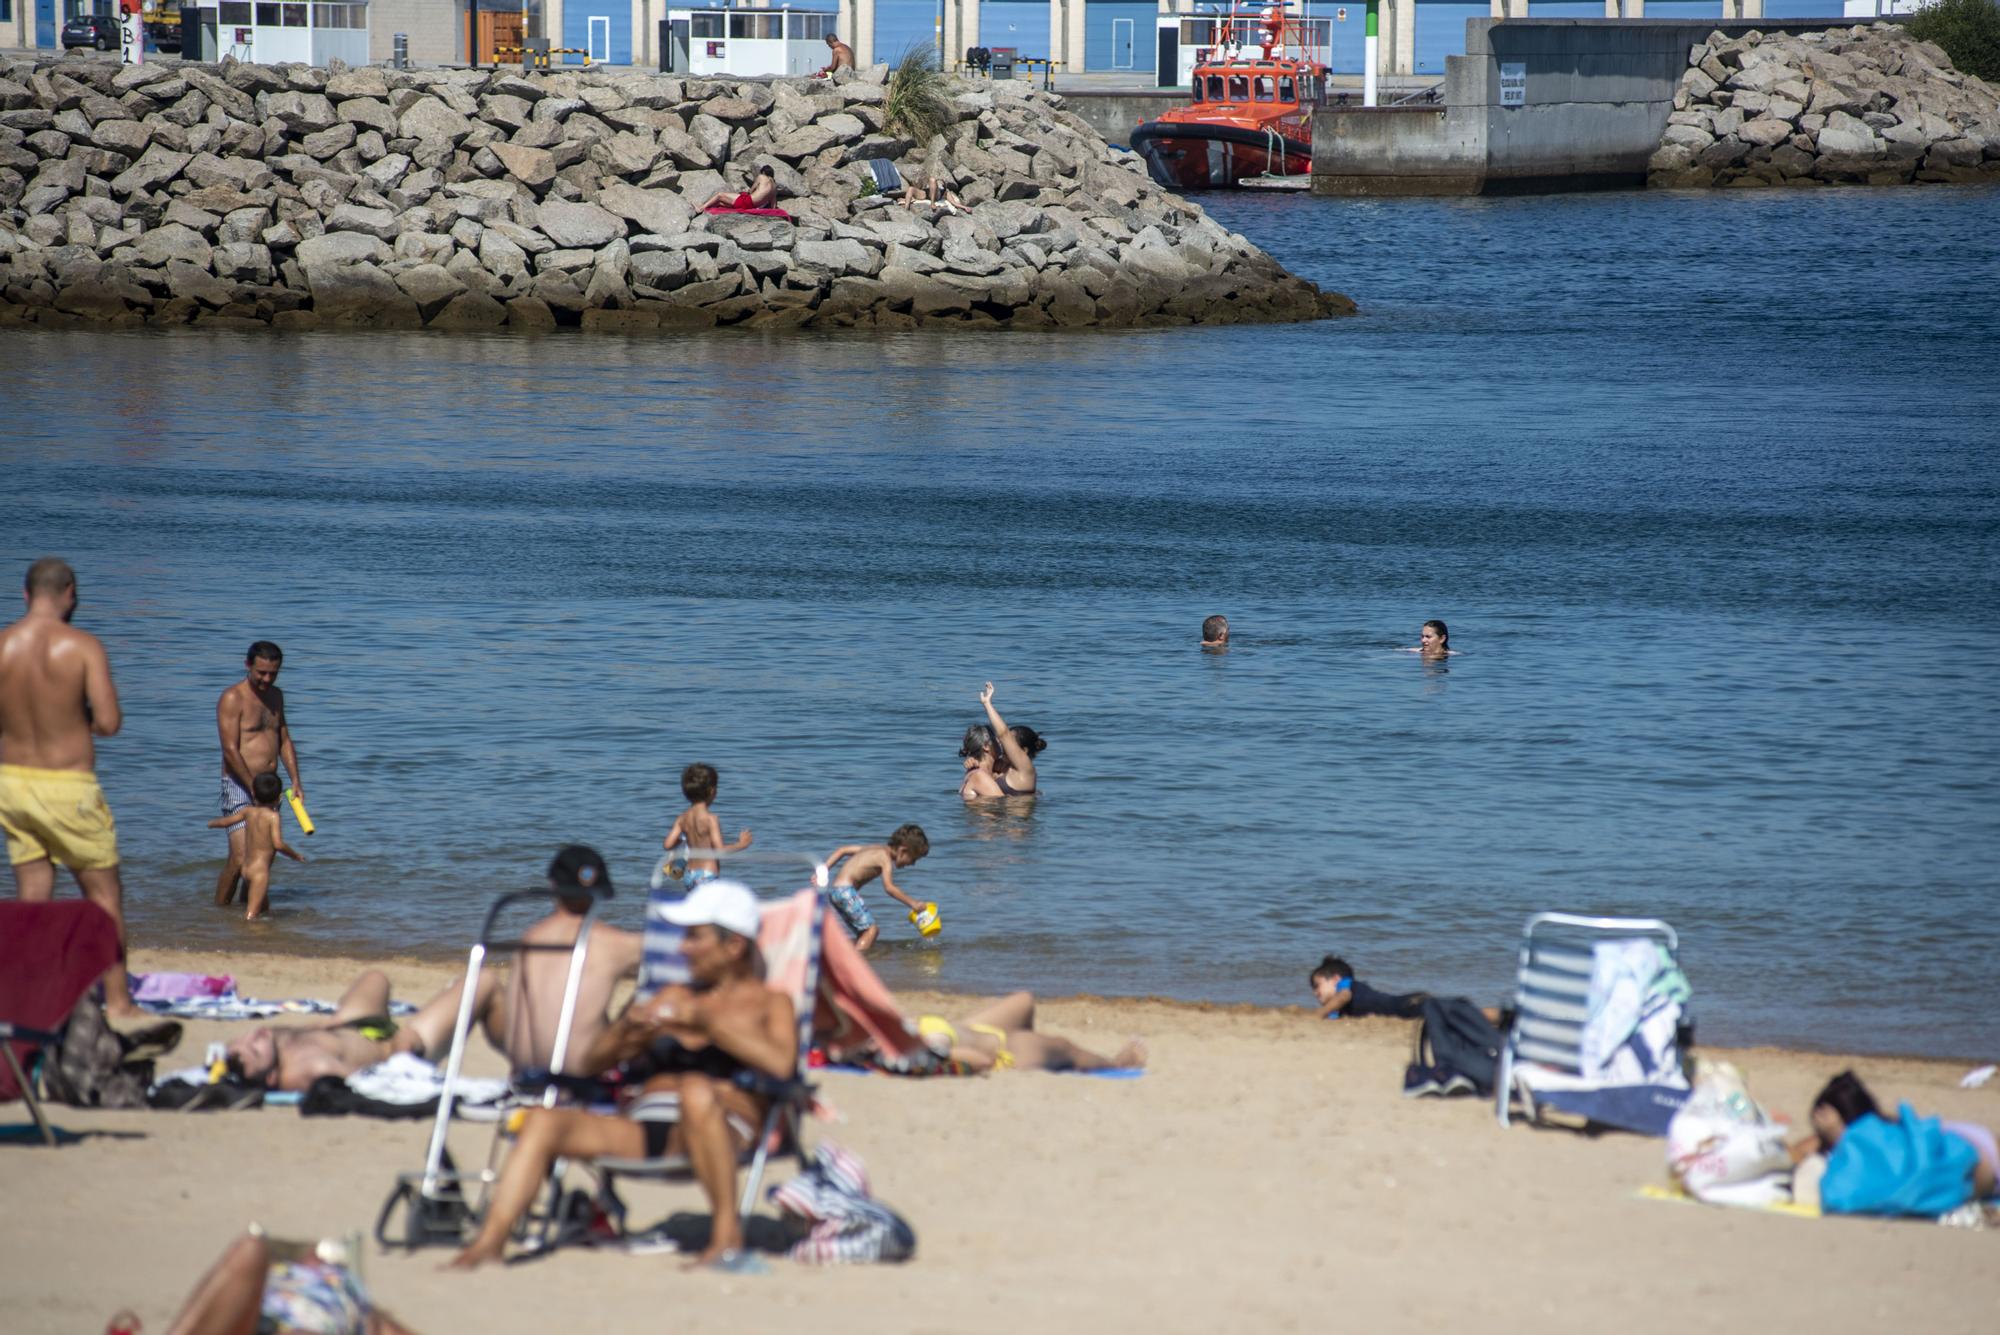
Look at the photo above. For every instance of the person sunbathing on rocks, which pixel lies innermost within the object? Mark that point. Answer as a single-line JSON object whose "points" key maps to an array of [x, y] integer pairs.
{"points": [[762, 194], [843, 57], [935, 193], [519, 1009]]}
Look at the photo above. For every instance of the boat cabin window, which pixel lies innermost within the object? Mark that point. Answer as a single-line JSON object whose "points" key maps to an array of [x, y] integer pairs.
{"points": [[1263, 88], [1215, 87], [1286, 93], [1239, 88]]}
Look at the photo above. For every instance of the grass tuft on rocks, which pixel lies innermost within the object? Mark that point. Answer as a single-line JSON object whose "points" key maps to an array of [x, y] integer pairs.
{"points": [[916, 104], [1968, 30]]}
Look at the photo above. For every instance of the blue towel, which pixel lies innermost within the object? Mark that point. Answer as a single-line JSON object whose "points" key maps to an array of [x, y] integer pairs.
{"points": [[1910, 1166]]}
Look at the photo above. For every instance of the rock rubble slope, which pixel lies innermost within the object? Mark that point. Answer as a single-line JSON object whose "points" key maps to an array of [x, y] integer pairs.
{"points": [[1867, 105], [301, 197]]}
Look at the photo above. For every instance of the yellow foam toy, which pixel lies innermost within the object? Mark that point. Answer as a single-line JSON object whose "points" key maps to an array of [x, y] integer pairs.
{"points": [[299, 810]]}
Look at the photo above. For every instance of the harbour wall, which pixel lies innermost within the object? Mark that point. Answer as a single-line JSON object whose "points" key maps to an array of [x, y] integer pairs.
{"points": [[1588, 115]]}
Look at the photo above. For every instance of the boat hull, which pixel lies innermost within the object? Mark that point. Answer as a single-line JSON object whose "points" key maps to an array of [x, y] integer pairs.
{"points": [[1194, 155]]}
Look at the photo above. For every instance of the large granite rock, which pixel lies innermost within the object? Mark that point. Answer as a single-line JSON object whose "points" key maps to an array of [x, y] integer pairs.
{"points": [[1869, 105]]}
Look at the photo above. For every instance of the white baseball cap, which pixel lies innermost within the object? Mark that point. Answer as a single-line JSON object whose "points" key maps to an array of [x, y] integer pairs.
{"points": [[729, 905]]}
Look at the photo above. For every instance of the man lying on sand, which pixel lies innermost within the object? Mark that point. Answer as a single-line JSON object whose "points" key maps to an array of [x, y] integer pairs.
{"points": [[1002, 1035], [519, 1011]]}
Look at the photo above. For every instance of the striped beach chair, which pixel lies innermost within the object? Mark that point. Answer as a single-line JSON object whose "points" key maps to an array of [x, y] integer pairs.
{"points": [[1547, 1061]]}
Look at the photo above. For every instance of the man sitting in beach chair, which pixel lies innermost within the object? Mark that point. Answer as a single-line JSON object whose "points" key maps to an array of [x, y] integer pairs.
{"points": [[520, 1011], [689, 1042]]}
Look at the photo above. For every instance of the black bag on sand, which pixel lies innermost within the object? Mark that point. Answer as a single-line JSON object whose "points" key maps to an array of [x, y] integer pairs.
{"points": [[1456, 1051], [95, 1066]]}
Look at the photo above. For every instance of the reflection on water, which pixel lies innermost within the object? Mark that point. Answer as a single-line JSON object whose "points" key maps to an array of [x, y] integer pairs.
{"points": [[1693, 547]]}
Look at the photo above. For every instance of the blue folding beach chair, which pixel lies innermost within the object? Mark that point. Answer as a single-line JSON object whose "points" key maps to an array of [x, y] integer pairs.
{"points": [[1551, 1062]]}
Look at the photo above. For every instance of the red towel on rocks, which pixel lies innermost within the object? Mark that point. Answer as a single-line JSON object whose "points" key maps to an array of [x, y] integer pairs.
{"points": [[753, 213], [50, 954]]}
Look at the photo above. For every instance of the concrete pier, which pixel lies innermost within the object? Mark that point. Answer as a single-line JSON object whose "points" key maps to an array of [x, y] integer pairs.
{"points": [[1534, 105]]}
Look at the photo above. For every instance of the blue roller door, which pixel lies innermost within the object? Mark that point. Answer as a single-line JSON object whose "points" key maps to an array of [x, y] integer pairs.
{"points": [[1120, 36], [1021, 24], [902, 24]]}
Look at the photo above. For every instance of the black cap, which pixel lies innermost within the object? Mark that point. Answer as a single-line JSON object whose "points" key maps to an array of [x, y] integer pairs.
{"points": [[578, 868]]}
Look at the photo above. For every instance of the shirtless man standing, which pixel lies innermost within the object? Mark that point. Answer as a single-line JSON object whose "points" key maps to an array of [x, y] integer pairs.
{"points": [[55, 697], [519, 1009], [250, 719]]}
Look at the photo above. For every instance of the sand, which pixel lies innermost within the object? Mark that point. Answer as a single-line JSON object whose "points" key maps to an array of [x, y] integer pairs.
{"points": [[1265, 1175]]}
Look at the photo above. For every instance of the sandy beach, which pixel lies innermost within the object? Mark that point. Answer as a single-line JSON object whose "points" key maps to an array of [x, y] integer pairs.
{"points": [[1266, 1174]]}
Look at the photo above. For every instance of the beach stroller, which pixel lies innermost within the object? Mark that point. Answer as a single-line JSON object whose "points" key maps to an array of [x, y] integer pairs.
{"points": [[435, 1206], [1601, 1030], [50, 954]]}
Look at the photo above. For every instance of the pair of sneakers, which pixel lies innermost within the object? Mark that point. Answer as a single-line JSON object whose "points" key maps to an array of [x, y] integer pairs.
{"points": [[1435, 1081]]}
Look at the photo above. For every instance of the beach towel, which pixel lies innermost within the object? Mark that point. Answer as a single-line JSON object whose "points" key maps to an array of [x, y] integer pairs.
{"points": [[50, 954], [751, 213], [404, 1086], [846, 1225], [1636, 995], [1910, 1166], [172, 987]]}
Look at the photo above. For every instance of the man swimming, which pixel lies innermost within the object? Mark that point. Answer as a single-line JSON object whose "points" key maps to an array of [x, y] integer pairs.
{"points": [[250, 720], [56, 698], [519, 1011]]}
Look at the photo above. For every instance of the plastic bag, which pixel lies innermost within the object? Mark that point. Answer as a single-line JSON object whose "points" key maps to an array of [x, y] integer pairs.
{"points": [[1723, 1148]]}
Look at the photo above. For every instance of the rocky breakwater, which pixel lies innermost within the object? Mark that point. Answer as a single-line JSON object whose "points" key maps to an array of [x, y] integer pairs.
{"points": [[300, 197], [1868, 105]]}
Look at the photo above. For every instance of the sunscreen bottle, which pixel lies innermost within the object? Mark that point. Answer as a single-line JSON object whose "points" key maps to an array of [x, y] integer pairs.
{"points": [[926, 920], [299, 810]]}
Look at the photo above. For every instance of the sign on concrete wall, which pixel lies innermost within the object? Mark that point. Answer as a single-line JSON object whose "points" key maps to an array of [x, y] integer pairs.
{"points": [[1513, 84]]}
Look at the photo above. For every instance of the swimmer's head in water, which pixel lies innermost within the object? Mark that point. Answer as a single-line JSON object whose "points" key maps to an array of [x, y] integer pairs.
{"points": [[1844, 1101], [1215, 630], [266, 789], [1028, 740], [908, 844], [1327, 977], [978, 742], [1435, 638], [698, 783]]}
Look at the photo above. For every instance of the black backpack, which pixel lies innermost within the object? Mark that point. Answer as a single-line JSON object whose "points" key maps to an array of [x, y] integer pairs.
{"points": [[1456, 1051], [95, 1066]]}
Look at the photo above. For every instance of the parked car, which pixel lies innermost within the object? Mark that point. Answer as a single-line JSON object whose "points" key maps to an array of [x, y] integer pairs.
{"points": [[98, 30]]}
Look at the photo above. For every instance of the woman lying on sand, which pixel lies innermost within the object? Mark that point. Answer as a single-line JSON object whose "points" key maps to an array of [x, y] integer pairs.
{"points": [[1001, 1036], [1845, 1101]]}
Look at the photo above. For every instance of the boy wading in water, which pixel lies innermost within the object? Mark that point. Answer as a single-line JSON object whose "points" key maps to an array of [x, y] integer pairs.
{"points": [[697, 827], [263, 838], [865, 862]]}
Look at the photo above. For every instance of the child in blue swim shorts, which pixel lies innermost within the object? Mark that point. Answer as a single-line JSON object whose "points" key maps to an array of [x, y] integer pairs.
{"points": [[865, 862]]}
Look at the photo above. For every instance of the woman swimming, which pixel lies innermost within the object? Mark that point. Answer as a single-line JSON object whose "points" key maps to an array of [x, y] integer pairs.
{"points": [[1434, 640], [999, 760]]}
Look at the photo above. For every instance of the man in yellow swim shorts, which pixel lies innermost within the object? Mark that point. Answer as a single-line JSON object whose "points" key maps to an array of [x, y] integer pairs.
{"points": [[56, 698]]}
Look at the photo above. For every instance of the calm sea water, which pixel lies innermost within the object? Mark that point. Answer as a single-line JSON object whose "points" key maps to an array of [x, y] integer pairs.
{"points": [[1704, 484]]}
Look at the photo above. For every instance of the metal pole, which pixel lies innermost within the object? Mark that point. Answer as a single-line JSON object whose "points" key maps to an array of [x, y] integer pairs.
{"points": [[1370, 54]]}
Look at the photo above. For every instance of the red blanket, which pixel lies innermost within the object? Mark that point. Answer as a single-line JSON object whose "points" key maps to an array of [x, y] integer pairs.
{"points": [[754, 213]]}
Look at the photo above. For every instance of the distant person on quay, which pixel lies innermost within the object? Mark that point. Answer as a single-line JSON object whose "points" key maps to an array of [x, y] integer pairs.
{"points": [[865, 862], [999, 760], [1215, 633], [697, 830], [843, 56], [56, 698], [263, 839], [762, 194], [255, 732]]}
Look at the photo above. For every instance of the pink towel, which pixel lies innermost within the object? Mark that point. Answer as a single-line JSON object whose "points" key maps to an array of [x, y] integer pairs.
{"points": [[180, 986], [854, 1009]]}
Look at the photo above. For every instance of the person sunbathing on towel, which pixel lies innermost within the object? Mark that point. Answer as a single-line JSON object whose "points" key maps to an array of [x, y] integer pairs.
{"points": [[1001, 1036], [519, 1009], [935, 193], [685, 1043], [762, 194]]}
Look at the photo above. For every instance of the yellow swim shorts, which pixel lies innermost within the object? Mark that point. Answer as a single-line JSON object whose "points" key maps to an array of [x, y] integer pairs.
{"points": [[57, 814]]}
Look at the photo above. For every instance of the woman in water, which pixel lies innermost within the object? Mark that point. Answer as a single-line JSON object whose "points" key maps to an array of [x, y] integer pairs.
{"points": [[999, 760], [1434, 640]]}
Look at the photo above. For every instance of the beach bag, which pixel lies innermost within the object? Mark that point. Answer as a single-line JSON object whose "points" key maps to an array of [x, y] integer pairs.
{"points": [[1910, 1166], [1723, 1148], [1456, 1047], [93, 1065]]}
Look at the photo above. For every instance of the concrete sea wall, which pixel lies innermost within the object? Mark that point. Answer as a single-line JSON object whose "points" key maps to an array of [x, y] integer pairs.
{"points": [[300, 197]]}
